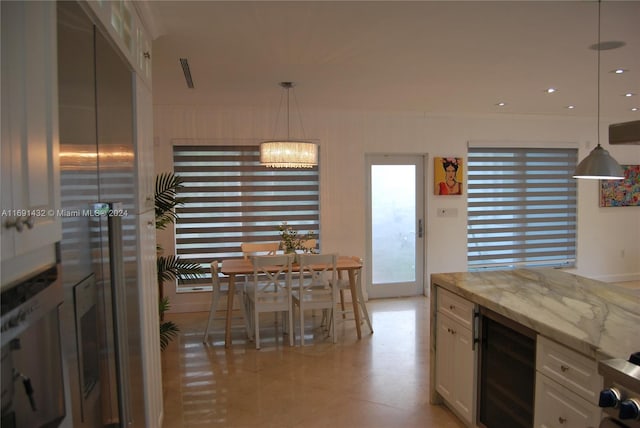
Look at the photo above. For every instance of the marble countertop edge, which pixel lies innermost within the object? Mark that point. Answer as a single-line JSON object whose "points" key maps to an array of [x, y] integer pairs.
{"points": [[594, 318]]}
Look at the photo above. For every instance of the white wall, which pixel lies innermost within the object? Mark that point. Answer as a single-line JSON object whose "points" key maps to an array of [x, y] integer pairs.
{"points": [[608, 238]]}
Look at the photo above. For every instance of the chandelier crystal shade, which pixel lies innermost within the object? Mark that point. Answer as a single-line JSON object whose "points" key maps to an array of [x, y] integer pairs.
{"points": [[599, 165], [288, 153]]}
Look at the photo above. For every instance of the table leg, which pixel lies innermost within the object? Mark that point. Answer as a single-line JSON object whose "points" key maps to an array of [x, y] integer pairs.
{"points": [[230, 295], [354, 301]]}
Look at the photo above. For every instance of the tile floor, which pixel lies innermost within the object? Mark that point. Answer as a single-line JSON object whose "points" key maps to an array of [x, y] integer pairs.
{"points": [[379, 381]]}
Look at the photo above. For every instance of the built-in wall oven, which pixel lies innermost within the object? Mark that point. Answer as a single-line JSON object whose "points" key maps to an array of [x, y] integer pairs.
{"points": [[507, 368], [32, 377]]}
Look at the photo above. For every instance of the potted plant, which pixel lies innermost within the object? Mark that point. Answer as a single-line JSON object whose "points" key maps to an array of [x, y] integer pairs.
{"points": [[170, 267]]}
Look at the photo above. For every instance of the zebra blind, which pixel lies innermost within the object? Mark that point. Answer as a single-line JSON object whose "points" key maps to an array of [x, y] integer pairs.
{"points": [[521, 207], [231, 199]]}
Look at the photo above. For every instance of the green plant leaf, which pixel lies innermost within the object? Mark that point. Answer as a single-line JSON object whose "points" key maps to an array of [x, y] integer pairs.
{"points": [[166, 188], [168, 331], [171, 267]]}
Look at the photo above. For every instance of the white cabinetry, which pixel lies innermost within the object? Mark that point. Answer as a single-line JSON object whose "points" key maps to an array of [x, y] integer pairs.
{"points": [[147, 274], [455, 354], [567, 387], [121, 19], [30, 174]]}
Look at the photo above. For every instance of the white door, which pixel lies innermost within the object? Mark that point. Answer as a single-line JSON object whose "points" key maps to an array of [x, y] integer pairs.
{"points": [[395, 225]]}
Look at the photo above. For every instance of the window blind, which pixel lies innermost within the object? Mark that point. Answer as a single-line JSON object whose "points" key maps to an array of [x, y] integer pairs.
{"points": [[231, 199], [521, 207]]}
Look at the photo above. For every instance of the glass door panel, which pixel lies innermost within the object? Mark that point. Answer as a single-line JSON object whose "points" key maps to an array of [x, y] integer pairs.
{"points": [[395, 225]]}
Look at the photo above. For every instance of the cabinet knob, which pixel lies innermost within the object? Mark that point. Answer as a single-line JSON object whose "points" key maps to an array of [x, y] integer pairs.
{"points": [[564, 368], [562, 420], [20, 222], [452, 307], [29, 222], [146, 54]]}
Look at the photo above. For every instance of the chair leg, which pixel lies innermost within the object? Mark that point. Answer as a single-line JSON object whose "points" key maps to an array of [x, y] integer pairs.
{"points": [[247, 316], [333, 325], [363, 308], [256, 324], [212, 311], [300, 308], [292, 330], [342, 304]]}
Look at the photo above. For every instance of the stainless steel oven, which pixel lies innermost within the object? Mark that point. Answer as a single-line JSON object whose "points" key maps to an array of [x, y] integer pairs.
{"points": [[620, 399], [32, 378]]}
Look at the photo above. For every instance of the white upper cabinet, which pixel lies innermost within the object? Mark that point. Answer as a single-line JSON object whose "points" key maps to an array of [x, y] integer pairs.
{"points": [[31, 223], [122, 21]]}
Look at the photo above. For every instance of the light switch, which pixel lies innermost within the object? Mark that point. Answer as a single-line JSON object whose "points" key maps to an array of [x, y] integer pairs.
{"points": [[447, 212]]}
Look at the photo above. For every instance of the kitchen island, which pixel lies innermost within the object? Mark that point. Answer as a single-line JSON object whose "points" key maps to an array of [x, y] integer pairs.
{"points": [[589, 319]]}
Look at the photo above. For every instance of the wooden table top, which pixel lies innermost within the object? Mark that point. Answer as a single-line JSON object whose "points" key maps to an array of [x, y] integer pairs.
{"points": [[242, 266]]}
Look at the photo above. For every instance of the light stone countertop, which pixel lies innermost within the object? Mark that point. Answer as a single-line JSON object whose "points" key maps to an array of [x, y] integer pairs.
{"points": [[597, 319]]}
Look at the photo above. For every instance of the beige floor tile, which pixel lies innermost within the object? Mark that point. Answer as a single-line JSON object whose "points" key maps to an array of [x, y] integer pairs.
{"points": [[378, 381]]}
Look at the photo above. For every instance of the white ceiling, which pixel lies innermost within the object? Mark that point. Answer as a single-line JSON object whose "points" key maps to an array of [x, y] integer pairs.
{"points": [[448, 57]]}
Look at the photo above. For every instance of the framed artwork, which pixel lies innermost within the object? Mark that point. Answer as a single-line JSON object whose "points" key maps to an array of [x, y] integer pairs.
{"points": [[622, 193], [447, 176]]}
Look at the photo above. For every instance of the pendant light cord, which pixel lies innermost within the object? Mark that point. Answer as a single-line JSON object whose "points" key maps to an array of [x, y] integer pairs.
{"points": [[288, 88], [598, 74]]}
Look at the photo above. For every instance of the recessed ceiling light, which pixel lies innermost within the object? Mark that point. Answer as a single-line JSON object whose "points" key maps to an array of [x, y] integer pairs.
{"points": [[501, 104], [635, 109], [550, 90], [629, 94], [571, 107], [619, 71]]}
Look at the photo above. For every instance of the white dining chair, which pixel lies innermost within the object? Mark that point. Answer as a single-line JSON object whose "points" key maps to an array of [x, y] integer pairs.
{"points": [[218, 291], [250, 249], [315, 291], [270, 291], [342, 284]]}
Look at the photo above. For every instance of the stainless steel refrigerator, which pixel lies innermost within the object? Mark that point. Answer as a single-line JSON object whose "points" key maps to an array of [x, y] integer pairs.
{"points": [[100, 314]]}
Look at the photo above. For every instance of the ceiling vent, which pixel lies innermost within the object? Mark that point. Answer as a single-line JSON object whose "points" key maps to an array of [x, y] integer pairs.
{"points": [[187, 72], [625, 133]]}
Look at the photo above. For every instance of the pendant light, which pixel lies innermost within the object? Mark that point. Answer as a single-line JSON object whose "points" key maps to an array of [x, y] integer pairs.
{"points": [[288, 153], [599, 165]]}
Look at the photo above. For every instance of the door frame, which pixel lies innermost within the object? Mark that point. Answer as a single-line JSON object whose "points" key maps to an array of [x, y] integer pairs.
{"points": [[421, 161]]}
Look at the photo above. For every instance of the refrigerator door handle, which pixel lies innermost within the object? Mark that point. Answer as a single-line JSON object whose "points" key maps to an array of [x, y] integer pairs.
{"points": [[119, 307]]}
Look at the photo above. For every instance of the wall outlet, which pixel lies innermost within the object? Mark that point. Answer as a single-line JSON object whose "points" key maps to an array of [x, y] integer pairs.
{"points": [[447, 212]]}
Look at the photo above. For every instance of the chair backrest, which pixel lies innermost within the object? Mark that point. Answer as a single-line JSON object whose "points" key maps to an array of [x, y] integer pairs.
{"points": [[215, 275], [309, 245], [317, 270], [259, 248], [272, 273]]}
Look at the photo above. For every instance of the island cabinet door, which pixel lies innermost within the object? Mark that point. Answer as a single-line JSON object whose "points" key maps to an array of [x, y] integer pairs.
{"points": [[445, 345], [455, 362], [558, 407]]}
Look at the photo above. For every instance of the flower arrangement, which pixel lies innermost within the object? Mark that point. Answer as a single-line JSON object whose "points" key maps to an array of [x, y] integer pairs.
{"points": [[291, 241]]}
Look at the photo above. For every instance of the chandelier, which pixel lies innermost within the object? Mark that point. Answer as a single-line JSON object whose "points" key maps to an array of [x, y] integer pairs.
{"points": [[288, 153]]}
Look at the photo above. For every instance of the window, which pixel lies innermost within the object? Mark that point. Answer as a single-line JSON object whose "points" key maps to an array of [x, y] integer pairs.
{"points": [[231, 198], [522, 207]]}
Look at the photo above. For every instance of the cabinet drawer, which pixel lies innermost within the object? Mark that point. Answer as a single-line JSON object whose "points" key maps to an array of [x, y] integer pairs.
{"points": [[569, 368], [456, 307], [557, 407]]}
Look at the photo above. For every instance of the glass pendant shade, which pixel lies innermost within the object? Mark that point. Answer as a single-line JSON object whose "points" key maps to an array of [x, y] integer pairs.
{"points": [[599, 165], [288, 154]]}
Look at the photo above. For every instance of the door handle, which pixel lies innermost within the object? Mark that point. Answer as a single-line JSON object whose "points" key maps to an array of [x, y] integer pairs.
{"points": [[420, 228]]}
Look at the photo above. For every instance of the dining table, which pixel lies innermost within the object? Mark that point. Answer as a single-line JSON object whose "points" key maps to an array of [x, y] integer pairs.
{"points": [[233, 267]]}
